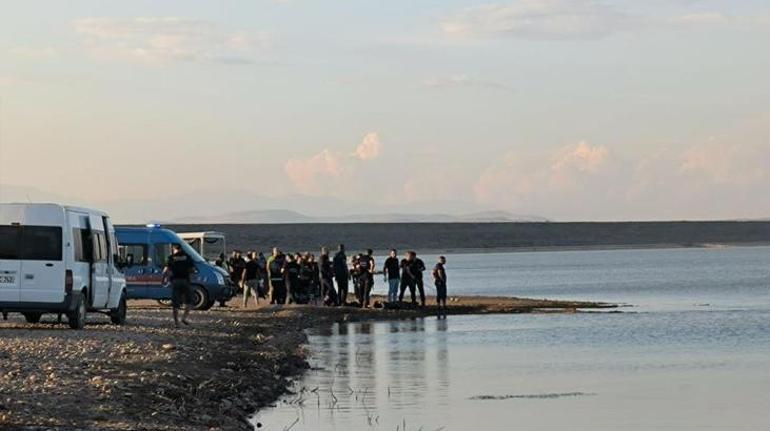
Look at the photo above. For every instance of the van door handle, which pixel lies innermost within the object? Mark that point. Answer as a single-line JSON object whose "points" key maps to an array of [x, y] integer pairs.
{"points": [[49, 265]]}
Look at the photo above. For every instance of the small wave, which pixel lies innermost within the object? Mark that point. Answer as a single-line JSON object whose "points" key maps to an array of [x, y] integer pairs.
{"points": [[532, 396]]}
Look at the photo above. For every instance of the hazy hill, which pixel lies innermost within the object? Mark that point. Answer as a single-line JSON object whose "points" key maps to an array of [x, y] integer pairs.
{"points": [[288, 217]]}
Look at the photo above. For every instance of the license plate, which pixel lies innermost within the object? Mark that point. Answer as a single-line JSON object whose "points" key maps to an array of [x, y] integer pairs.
{"points": [[7, 279]]}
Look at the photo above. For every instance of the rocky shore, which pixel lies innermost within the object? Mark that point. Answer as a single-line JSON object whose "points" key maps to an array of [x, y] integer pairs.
{"points": [[148, 375]]}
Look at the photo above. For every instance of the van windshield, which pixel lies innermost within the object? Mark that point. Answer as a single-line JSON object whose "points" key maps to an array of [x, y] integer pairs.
{"points": [[30, 242], [213, 247], [191, 252]]}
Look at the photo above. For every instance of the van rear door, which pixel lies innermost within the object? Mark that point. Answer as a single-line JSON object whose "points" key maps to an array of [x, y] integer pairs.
{"points": [[10, 263], [42, 264]]}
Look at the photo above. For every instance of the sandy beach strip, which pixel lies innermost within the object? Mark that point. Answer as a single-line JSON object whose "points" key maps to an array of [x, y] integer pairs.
{"points": [[148, 375]]}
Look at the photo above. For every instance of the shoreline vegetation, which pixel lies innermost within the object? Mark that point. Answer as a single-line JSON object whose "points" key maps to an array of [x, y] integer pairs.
{"points": [[213, 375]]}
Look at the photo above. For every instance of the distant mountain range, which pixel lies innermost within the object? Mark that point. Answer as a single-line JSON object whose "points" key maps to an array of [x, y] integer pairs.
{"points": [[287, 216]]}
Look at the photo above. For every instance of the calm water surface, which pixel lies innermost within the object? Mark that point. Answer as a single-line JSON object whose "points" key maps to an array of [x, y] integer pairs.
{"points": [[693, 354]]}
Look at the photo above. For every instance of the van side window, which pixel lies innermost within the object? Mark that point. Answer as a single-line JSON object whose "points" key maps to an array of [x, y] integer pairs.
{"points": [[162, 251], [41, 243], [100, 247], [77, 244], [132, 254], [81, 237], [10, 238], [105, 252]]}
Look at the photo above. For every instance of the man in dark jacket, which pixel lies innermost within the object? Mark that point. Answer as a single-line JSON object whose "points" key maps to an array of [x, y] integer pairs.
{"points": [[328, 294], [417, 267], [179, 268], [341, 272], [366, 277]]}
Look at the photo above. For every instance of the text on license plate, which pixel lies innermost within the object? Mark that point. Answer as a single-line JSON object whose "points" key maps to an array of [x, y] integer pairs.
{"points": [[7, 279]]}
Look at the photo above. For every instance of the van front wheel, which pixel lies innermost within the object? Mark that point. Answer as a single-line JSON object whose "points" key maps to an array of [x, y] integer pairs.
{"points": [[118, 315], [200, 298], [77, 318]]}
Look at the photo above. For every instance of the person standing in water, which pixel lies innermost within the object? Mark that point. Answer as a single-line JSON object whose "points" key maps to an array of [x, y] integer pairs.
{"points": [[439, 279], [179, 267], [391, 273], [341, 271]]}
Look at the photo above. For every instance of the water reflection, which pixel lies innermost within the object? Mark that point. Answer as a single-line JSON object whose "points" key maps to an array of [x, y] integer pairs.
{"points": [[360, 370]]}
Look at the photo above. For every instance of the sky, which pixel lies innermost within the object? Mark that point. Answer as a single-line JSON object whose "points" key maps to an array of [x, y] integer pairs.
{"points": [[566, 109]]}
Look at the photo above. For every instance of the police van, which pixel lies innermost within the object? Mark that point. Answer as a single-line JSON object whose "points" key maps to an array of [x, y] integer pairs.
{"points": [[59, 259], [143, 252]]}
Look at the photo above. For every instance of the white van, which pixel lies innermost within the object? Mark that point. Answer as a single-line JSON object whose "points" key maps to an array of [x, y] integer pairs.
{"points": [[210, 244], [59, 259]]}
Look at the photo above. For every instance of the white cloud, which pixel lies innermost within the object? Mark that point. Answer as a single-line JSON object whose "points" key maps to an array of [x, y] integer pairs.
{"points": [[516, 179], [725, 163], [311, 175], [330, 172], [715, 179], [369, 148], [166, 39], [540, 19]]}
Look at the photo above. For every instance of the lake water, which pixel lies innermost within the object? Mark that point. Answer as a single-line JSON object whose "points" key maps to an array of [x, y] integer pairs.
{"points": [[692, 354]]}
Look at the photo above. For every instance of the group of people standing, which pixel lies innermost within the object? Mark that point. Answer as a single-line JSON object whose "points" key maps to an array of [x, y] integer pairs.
{"points": [[300, 278]]}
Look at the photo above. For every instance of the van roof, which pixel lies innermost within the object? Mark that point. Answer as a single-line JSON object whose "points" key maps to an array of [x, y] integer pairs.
{"points": [[144, 232], [55, 206], [208, 232], [43, 214]]}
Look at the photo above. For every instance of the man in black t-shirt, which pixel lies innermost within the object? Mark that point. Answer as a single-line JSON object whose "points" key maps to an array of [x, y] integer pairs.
{"points": [[407, 279], [179, 267], [275, 275], [250, 279], [417, 267], [439, 277], [365, 277], [391, 271]]}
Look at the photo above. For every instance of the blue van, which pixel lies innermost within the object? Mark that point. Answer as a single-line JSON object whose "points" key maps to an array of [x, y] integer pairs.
{"points": [[142, 254]]}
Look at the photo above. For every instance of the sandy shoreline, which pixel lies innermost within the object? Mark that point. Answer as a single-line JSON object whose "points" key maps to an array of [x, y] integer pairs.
{"points": [[148, 375]]}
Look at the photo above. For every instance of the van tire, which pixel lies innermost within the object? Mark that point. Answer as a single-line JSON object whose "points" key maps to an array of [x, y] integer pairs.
{"points": [[77, 318], [209, 305], [118, 315], [200, 298], [32, 317]]}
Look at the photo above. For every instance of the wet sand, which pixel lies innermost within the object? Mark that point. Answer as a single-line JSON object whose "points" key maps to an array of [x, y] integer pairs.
{"points": [[148, 375]]}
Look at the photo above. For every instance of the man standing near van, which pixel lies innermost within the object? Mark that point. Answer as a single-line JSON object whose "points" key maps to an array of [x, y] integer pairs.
{"points": [[178, 268]]}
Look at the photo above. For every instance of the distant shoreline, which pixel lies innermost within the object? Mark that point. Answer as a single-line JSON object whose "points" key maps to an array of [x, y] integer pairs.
{"points": [[665, 246], [489, 237]]}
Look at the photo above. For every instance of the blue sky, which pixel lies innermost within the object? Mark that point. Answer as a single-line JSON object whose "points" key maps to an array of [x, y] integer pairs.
{"points": [[569, 109]]}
